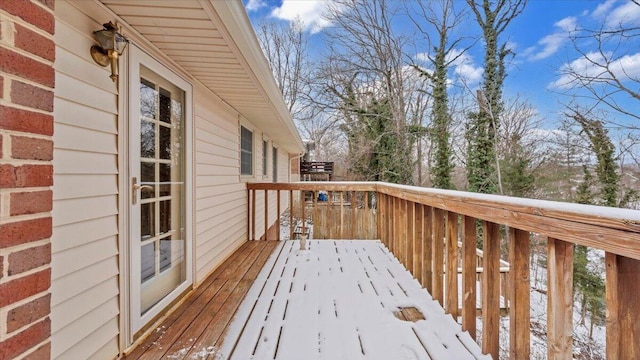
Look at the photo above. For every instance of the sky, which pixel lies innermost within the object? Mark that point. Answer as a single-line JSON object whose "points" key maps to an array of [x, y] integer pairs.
{"points": [[539, 37]]}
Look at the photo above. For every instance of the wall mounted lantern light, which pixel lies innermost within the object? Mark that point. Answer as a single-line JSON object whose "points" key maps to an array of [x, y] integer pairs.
{"points": [[112, 44]]}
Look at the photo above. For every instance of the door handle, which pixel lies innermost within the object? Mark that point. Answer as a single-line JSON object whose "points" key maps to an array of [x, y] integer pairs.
{"points": [[135, 187]]}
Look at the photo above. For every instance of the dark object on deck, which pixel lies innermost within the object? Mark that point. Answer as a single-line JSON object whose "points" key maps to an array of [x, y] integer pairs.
{"points": [[316, 170]]}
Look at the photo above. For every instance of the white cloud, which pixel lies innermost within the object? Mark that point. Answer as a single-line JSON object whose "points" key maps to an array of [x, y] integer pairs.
{"points": [[603, 9], [551, 43], [253, 5], [309, 12], [624, 68], [464, 67], [626, 14]]}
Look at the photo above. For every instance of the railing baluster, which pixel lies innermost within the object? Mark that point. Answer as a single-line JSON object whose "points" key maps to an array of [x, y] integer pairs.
{"points": [[427, 250], [341, 214], [290, 214], [411, 234], [559, 299], [520, 298], [253, 214], [404, 236], [623, 308], [354, 216], [469, 276], [418, 258], [266, 214], [438, 255], [303, 205], [491, 290], [278, 217], [452, 265]]}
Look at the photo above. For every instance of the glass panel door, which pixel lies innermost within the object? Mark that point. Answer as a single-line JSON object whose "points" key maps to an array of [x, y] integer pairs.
{"points": [[159, 187]]}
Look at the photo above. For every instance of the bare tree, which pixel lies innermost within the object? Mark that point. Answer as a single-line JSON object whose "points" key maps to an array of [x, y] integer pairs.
{"points": [[603, 72]]}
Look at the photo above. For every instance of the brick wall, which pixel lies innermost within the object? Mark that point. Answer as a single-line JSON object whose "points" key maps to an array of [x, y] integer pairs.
{"points": [[27, 52]]}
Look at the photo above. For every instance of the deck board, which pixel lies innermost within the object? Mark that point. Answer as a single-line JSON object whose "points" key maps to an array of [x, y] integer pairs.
{"points": [[336, 301], [214, 301]]}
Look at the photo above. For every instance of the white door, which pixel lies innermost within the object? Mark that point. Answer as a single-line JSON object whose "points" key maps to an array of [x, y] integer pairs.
{"points": [[160, 245]]}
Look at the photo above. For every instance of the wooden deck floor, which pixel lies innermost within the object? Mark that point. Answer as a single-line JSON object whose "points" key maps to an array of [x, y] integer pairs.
{"points": [[197, 325], [338, 300]]}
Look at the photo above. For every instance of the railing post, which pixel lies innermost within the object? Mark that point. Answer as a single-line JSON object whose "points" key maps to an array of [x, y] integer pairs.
{"points": [[623, 307], [491, 290], [559, 299], [438, 255], [452, 265], [520, 298], [469, 265], [303, 205], [411, 235]]}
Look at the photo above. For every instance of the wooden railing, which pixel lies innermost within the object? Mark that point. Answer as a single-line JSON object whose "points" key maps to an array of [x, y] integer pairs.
{"points": [[424, 227]]}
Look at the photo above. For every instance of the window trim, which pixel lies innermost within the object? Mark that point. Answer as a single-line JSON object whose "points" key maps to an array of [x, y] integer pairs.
{"points": [[274, 162]]}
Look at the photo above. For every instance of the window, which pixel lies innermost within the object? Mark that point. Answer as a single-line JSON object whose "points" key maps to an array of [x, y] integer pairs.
{"points": [[246, 151], [275, 165], [265, 154]]}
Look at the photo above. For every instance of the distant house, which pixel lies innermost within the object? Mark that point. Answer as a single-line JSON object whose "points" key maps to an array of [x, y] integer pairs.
{"points": [[118, 198]]}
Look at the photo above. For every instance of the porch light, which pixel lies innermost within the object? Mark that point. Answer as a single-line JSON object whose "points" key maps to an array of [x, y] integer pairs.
{"points": [[112, 44]]}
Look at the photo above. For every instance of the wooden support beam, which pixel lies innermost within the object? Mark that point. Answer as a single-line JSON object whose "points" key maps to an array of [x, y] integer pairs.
{"points": [[559, 299], [266, 214], [451, 304], [427, 250], [469, 247], [520, 298], [438, 255], [491, 290], [623, 307]]}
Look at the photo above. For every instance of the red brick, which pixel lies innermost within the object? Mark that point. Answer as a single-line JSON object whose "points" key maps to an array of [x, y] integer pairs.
{"points": [[34, 43], [29, 259], [31, 202], [25, 340], [32, 96], [48, 3], [34, 175], [28, 313], [0, 146], [1, 267], [1, 81], [31, 13], [26, 67], [31, 148], [43, 353], [22, 232], [7, 176], [25, 121], [21, 288]]}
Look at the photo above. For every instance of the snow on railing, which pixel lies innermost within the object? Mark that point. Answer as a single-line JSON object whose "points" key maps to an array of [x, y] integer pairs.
{"points": [[426, 228]]}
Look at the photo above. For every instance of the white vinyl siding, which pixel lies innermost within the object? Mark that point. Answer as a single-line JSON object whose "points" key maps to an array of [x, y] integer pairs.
{"points": [[246, 151], [84, 289], [221, 200]]}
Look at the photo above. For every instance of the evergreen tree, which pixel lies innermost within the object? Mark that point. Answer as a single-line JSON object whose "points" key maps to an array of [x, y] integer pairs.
{"points": [[493, 18]]}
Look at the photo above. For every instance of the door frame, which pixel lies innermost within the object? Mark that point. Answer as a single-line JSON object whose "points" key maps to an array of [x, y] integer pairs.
{"points": [[132, 320]]}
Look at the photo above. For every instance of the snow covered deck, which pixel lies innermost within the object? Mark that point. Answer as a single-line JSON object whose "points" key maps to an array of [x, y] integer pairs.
{"points": [[337, 300]]}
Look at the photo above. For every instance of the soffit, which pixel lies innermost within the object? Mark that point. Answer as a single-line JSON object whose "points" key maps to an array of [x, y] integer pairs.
{"points": [[213, 41]]}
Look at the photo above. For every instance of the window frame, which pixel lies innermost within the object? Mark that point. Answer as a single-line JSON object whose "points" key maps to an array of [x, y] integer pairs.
{"points": [[250, 152], [265, 158], [274, 163]]}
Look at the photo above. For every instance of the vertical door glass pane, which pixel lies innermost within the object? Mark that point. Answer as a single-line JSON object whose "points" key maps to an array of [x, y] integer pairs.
{"points": [[162, 167]]}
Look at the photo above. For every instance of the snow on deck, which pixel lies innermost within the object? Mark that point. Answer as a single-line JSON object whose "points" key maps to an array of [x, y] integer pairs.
{"points": [[336, 301]]}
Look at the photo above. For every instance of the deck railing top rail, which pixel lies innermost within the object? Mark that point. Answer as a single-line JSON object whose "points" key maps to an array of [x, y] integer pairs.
{"points": [[611, 229]]}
